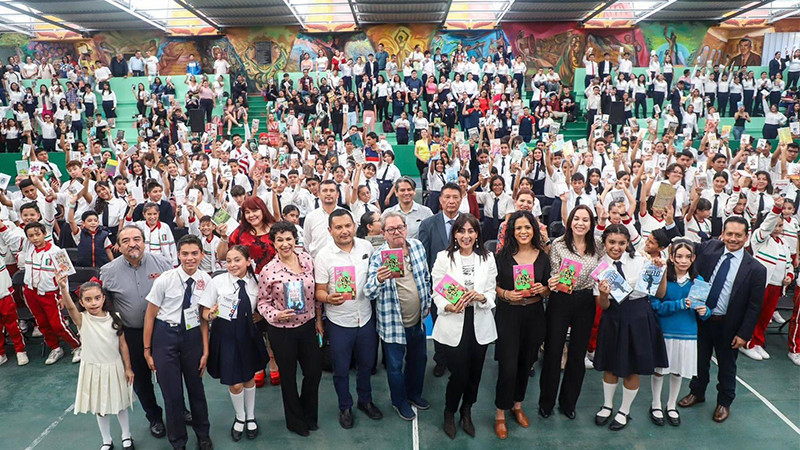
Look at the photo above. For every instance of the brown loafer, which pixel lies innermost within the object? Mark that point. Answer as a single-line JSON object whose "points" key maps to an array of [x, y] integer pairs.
{"points": [[690, 400], [721, 413], [500, 428], [522, 419]]}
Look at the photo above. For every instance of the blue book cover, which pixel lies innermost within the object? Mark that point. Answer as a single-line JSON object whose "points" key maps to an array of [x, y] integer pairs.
{"points": [[650, 279]]}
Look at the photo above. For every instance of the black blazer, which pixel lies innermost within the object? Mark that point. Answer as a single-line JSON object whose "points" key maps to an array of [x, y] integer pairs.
{"points": [[371, 69], [604, 68], [433, 236], [776, 66], [747, 294]]}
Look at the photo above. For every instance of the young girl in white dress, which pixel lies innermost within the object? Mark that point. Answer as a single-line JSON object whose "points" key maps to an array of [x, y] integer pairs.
{"points": [[105, 380]]}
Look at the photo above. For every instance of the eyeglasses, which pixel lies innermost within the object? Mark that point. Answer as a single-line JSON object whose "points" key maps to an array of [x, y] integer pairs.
{"points": [[397, 229]]}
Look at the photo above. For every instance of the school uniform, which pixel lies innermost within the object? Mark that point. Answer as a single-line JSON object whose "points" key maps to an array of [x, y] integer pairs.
{"points": [[718, 202], [629, 339], [157, 240], [236, 349], [177, 347], [495, 208]]}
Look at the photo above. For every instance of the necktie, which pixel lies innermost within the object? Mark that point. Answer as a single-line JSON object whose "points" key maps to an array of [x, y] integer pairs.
{"points": [[797, 199], [187, 300], [450, 228], [280, 208], [760, 203], [719, 281], [496, 209], [316, 202], [716, 203], [577, 200], [105, 216], [502, 165], [619, 269]]}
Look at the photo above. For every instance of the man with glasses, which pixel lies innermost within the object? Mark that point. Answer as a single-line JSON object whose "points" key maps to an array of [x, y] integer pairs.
{"points": [[402, 304]]}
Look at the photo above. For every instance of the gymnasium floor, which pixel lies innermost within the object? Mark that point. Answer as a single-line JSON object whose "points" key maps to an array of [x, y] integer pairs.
{"points": [[36, 400]]}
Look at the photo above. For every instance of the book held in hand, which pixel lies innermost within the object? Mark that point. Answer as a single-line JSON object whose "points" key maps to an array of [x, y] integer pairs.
{"points": [[523, 279], [393, 259], [293, 295], [664, 196], [227, 307], [221, 216], [650, 279], [450, 289], [698, 294], [344, 279], [620, 289], [568, 274], [63, 263]]}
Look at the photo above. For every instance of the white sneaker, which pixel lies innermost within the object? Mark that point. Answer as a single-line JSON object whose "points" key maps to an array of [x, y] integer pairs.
{"points": [[751, 353], [588, 363], [761, 351], [22, 359], [76, 355], [3, 359], [54, 356], [590, 355], [795, 357], [777, 318], [36, 332]]}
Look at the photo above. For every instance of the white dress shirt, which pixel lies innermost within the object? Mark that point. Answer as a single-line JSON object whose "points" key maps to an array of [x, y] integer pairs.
{"points": [[358, 311]]}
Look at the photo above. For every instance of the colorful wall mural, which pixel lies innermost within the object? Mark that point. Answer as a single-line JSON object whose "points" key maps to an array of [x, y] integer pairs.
{"points": [[560, 45]]}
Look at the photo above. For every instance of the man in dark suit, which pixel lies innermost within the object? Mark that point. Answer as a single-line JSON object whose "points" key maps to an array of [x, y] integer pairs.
{"points": [[371, 67], [435, 233], [604, 67], [676, 103], [776, 65], [737, 292]]}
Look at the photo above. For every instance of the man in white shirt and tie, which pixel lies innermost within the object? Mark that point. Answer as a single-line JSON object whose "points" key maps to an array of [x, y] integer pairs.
{"points": [[625, 65], [590, 65]]}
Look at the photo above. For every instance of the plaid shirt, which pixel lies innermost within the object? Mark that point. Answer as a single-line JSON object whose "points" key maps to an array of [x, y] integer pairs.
{"points": [[390, 320]]}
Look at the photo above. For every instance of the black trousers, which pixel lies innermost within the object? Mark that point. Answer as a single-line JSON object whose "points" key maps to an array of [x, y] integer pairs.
{"points": [[291, 346], [207, 105], [465, 363], [711, 338], [383, 108], [722, 103], [177, 353], [143, 376], [520, 332], [564, 311]]}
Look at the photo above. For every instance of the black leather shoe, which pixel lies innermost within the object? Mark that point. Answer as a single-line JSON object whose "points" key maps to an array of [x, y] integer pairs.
{"points": [[129, 445], [466, 420], [439, 370], [616, 426], [655, 419], [346, 418], [251, 434], [187, 417], [371, 410], [570, 414], [450, 424], [600, 420], [313, 426], [543, 413], [674, 421], [158, 430], [205, 444], [236, 435]]}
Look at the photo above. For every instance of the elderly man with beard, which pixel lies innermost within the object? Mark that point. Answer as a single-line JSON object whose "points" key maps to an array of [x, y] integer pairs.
{"points": [[128, 280]]}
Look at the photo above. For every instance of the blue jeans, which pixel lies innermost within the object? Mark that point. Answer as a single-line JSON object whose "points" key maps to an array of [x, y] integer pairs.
{"points": [[360, 343], [407, 385]]}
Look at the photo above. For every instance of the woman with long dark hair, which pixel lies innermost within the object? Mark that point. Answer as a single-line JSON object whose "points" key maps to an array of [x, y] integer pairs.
{"points": [[253, 232], [520, 315], [464, 327], [566, 311]]}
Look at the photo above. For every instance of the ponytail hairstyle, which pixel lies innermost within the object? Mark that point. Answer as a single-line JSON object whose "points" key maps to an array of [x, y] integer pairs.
{"points": [[618, 228], [108, 306], [244, 251]]}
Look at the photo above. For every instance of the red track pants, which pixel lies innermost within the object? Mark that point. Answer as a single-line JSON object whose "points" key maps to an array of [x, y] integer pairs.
{"points": [[771, 296], [8, 322], [48, 316]]}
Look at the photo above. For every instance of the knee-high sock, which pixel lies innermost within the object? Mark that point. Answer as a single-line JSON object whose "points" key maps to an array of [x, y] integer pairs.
{"points": [[627, 399], [104, 422], [238, 408], [674, 390], [608, 398], [124, 423], [250, 405], [656, 383]]}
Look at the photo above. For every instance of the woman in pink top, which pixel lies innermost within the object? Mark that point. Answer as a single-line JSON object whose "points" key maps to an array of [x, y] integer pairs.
{"points": [[207, 99], [294, 317]]}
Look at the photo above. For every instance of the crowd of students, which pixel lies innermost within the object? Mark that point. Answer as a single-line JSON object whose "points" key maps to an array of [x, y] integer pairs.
{"points": [[248, 256]]}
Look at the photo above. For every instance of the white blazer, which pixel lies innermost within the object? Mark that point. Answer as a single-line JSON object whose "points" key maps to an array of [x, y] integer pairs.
{"points": [[449, 326]]}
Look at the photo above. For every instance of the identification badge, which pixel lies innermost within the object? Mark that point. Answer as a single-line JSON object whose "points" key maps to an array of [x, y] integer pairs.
{"points": [[191, 317]]}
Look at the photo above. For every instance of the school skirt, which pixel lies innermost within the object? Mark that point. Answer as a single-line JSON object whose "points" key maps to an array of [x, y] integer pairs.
{"points": [[108, 108], [770, 131], [231, 360], [629, 339]]}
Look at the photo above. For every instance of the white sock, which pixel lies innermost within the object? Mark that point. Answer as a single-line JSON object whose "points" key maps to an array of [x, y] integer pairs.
{"points": [[674, 390], [656, 383], [104, 422], [238, 408], [250, 402], [124, 423], [627, 398], [608, 399]]}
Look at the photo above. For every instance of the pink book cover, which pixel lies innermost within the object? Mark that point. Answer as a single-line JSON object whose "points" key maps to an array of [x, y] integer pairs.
{"points": [[393, 259], [600, 268], [568, 274], [345, 281], [523, 279], [450, 289]]}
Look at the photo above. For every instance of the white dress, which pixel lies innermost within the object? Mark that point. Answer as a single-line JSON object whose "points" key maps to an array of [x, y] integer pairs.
{"points": [[102, 387]]}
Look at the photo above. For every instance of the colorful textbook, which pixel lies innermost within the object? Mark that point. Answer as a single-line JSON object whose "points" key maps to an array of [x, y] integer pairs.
{"points": [[450, 289], [393, 259], [345, 281], [523, 279], [567, 275]]}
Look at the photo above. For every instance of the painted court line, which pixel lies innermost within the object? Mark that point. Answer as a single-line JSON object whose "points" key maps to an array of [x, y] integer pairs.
{"points": [[415, 429], [50, 428], [765, 401]]}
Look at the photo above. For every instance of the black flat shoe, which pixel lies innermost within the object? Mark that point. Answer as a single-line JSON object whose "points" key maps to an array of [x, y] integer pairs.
{"points": [[674, 421], [236, 435], [616, 426], [544, 414], [600, 420], [158, 430], [130, 445], [570, 414], [657, 420], [313, 427], [251, 434], [107, 446]]}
